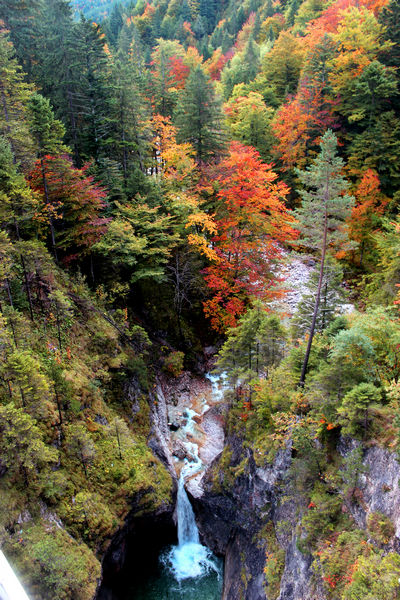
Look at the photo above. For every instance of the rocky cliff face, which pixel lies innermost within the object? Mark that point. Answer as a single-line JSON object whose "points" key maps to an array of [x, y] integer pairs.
{"points": [[256, 514], [245, 512], [241, 522]]}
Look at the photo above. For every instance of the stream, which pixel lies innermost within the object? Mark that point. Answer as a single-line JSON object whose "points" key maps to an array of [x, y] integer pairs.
{"points": [[189, 570], [163, 563]]}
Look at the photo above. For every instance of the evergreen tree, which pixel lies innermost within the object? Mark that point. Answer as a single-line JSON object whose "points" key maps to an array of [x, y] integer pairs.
{"points": [[321, 216], [22, 449], [128, 111], [355, 410], [332, 299], [14, 96], [253, 347], [199, 117], [114, 24], [22, 19]]}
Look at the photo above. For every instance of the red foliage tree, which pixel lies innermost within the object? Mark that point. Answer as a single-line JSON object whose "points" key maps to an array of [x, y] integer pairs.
{"points": [[73, 201], [299, 123], [252, 220]]}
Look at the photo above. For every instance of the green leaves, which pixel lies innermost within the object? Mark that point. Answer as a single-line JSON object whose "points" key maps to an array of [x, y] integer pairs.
{"points": [[199, 117], [22, 449], [324, 202]]}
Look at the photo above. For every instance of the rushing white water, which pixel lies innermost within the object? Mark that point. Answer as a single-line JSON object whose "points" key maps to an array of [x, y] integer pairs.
{"points": [[189, 558], [10, 587]]}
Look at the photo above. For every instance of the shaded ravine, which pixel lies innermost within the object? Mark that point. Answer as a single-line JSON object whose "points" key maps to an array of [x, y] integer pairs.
{"points": [[188, 570], [143, 560]]}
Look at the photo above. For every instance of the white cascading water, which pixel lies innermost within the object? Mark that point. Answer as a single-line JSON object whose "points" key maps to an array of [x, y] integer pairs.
{"points": [[189, 558], [10, 587]]}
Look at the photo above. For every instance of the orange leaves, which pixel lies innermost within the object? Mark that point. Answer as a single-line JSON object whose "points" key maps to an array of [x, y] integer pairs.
{"points": [[216, 63], [179, 72], [299, 123], [370, 206], [251, 219]]}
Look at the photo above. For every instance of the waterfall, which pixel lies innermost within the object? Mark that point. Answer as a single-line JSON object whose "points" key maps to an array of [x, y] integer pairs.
{"points": [[187, 528], [10, 587], [189, 559]]}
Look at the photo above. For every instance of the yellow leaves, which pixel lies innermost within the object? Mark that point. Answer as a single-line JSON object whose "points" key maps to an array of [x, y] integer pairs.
{"points": [[202, 245], [359, 42], [203, 221], [206, 224]]}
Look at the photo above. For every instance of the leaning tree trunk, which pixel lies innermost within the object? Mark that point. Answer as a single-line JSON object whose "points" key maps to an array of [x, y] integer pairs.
{"points": [[317, 301]]}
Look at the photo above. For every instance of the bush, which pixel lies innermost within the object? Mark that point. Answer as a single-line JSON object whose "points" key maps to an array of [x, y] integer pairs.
{"points": [[174, 362], [380, 527]]}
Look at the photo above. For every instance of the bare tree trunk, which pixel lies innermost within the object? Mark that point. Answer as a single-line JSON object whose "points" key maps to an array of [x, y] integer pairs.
{"points": [[317, 301], [27, 286]]}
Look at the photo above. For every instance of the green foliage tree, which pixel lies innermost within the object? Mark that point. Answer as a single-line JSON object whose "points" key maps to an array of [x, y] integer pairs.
{"points": [[355, 411], [252, 348], [199, 117], [22, 449], [79, 445], [322, 214], [138, 240], [376, 576], [58, 566], [14, 96], [249, 120], [128, 110], [332, 299]]}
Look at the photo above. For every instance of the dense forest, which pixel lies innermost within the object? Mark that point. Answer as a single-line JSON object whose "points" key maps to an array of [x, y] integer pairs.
{"points": [[156, 168]]}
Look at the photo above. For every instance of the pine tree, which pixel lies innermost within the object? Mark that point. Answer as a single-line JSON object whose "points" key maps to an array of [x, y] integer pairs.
{"points": [[321, 216], [253, 347], [128, 111], [332, 299], [22, 19], [22, 449], [199, 117], [14, 96]]}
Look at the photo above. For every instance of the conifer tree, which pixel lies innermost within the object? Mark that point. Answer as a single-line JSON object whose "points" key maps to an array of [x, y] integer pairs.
{"points": [[22, 449], [14, 96], [321, 216], [332, 299], [199, 117], [253, 347], [127, 114]]}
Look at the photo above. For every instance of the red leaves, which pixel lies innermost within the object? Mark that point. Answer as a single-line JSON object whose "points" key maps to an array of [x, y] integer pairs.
{"points": [[251, 220], [70, 196]]}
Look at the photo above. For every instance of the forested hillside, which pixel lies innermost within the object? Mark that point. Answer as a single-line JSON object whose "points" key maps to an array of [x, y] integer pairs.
{"points": [[156, 167]]}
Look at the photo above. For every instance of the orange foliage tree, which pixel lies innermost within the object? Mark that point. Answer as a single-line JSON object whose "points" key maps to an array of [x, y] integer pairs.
{"points": [[252, 220], [299, 123], [366, 214]]}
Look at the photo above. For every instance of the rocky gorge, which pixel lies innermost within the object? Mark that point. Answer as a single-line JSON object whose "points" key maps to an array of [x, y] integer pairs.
{"points": [[247, 506], [245, 510]]}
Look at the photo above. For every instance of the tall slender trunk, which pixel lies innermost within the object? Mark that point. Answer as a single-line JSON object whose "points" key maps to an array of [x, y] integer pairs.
{"points": [[47, 198], [27, 286], [317, 300]]}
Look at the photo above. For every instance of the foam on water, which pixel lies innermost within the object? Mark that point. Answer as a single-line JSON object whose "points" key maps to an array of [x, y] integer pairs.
{"points": [[189, 559]]}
